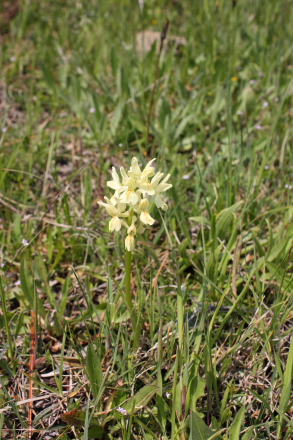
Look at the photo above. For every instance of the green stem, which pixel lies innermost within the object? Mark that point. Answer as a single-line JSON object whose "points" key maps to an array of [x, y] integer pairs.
{"points": [[128, 298]]}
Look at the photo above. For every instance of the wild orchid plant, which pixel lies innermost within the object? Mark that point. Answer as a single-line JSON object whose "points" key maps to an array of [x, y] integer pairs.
{"points": [[131, 202]]}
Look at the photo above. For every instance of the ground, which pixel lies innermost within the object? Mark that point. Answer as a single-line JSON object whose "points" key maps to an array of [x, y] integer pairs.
{"points": [[211, 355]]}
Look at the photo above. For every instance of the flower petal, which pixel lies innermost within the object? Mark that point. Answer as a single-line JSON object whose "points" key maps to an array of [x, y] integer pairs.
{"points": [[149, 163], [124, 175], [158, 201], [129, 196], [144, 204], [146, 188], [135, 168], [146, 218], [129, 243], [115, 185], [115, 175], [115, 224]]}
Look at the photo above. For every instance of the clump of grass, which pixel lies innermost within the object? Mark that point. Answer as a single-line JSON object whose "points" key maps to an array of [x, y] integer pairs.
{"points": [[214, 295]]}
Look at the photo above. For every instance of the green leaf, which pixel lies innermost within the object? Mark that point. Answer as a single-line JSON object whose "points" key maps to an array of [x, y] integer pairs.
{"points": [[116, 118], [19, 324], [17, 227], [141, 398], [177, 400], [64, 296], [258, 245], [286, 390], [26, 285], [49, 77], [225, 217], [249, 435], [199, 430], [163, 410], [279, 248], [236, 425], [94, 370], [4, 365], [182, 125], [195, 391], [95, 432], [201, 220], [42, 271]]}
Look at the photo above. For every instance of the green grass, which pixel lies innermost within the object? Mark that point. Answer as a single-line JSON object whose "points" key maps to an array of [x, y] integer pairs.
{"points": [[212, 283]]}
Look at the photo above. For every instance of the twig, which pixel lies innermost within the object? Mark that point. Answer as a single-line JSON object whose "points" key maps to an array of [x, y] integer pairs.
{"points": [[22, 402], [162, 38]]}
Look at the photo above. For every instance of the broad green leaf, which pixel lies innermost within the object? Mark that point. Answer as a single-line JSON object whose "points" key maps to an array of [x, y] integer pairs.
{"points": [[182, 125], [276, 272], [213, 263], [116, 118], [141, 398], [163, 410], [94, 370], [226, 414], [145, 428], [281, 246], [95, 432], [17, 227], [177, 401], [199, 430], [236, 425], [249, 435], [225, 217], [195, 391], [258, 245], [4, 366], [201, 220]]}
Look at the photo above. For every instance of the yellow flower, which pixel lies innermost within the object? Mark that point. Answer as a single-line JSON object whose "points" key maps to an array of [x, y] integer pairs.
{"points": [[142, 209], [115, 209], [133, 189]]}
